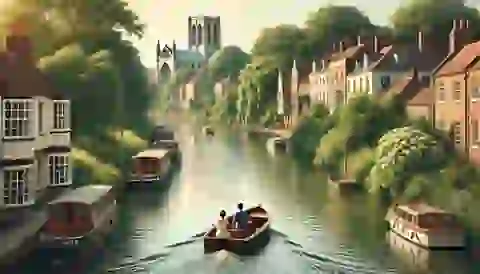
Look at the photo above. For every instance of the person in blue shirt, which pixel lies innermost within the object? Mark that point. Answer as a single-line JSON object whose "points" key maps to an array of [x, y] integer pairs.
{"points": [[241, 217]]}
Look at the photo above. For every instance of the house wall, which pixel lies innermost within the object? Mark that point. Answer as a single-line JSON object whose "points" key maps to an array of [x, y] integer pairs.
{"points": [[473, 82], [419, 111], [336, 75], [449, 111]]}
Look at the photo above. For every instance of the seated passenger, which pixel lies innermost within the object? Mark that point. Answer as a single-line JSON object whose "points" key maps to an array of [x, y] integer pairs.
{"points": [[222, 226], [241, 218]]}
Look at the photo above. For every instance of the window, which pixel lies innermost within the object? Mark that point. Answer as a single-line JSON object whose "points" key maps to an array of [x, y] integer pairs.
{"points": [[360, 89], [441, 92], [476, 93], [385, 82], [15, 187], [60, 109], [457, 91], [457, 132], [367, 85], [475, 134], [17, 118], [40, 117], [58, 169], [425, 79]]}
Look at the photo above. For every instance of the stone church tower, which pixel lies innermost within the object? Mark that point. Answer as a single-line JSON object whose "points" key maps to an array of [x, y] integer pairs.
{"points": [[204, 39]]}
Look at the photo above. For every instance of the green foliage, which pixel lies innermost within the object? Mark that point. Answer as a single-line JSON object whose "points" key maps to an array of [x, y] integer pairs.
{"points": [[359, 163], [227, 62], [400, 153], [434, 18], [81, 50]]}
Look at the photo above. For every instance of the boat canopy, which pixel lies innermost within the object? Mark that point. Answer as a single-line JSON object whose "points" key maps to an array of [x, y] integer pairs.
{"points": [[152, 153], [84, 195]]}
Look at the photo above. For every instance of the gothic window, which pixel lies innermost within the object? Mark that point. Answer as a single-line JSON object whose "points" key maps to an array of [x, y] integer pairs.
{"points": [[199, 35]]}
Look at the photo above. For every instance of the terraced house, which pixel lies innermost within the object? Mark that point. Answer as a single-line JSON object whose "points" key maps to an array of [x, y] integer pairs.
{"points": [[377, 72], [455, 102], [35, 137]]}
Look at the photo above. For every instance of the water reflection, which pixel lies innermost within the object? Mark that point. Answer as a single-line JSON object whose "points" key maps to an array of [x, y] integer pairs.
{"points": [[417, 259]]}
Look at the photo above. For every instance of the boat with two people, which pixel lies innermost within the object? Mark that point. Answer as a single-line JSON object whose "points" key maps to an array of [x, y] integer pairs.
{"points": [[246, 241]]}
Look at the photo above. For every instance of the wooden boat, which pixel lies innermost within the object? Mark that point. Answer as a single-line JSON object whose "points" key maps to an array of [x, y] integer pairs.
{"points": [[80, 217], [426, 226], [242, 242], [151, 166], [208, 130]]}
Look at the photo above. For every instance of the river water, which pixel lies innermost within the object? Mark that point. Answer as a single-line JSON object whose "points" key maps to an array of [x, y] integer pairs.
{"points": [[314, 229]]}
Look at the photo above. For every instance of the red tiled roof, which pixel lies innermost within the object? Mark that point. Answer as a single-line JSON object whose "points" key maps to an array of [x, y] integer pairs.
{"points": [[413, 91], [461, 60], [347, 53]]}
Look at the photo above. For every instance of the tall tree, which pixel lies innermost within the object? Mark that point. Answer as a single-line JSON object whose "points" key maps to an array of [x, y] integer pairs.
{"points": [[432, 17]]}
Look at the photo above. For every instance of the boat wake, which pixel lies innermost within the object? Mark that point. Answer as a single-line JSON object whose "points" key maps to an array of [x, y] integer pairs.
{"points": [[139, 262]]}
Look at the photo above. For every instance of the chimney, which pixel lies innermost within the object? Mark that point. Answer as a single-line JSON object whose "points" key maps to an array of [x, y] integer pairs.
{"points": [[158, 51], [20, 46], [467, 24], [323, 64], [174, 46], [461, 26], [314, 66], [459, 36], [454, 27], [376, 45], [334, 47], [420, 41], [341, 46], [359, 40]]}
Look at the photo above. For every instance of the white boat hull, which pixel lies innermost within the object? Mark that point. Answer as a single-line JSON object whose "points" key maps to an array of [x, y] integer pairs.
{"points": [[425, 238]]}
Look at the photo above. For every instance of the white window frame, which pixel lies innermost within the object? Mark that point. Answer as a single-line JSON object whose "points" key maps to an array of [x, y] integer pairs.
{"points": [[59, 171], [22, 184], [457, 91], [23, 126], [441, 91], [61, 115]]}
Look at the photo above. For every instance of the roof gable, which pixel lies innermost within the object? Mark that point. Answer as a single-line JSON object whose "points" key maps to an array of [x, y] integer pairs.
{"points": [[459, 62]]}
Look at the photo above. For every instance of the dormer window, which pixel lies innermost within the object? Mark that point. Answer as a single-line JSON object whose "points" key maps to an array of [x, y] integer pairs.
{"points": [[18, 118], [61, 110]]}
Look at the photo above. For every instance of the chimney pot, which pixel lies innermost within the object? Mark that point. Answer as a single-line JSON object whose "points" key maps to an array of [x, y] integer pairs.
{"points": [[420, 41], [467, 24], [341, 45], [461, 24], [454, 26], [359, 40], [376, 44]]}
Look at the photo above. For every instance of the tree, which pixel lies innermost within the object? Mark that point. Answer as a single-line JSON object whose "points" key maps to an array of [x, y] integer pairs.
{"points": [[432, 17], [331, 24], [281, 44], [401, 153], [227, 62]]}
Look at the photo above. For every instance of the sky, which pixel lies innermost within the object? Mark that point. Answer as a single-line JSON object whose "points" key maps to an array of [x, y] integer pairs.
{"points": [[241, 20]]}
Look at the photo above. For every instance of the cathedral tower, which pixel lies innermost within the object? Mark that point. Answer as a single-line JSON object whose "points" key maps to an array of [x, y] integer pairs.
{"points": [[204, 34]]}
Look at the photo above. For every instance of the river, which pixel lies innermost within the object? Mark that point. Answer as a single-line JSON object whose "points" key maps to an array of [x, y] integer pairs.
{"points": [[314, 230]]}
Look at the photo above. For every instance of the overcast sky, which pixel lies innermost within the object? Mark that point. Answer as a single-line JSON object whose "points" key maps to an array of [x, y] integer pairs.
{"points": [[241, 20]]}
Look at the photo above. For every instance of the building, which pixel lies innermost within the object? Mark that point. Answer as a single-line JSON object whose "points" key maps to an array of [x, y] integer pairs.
{"points": [[318, 83], [473, 86], [415, 92], [452, 93], [223, 87], [204, 39], [35, 144], [378, 71], [341, 63]]}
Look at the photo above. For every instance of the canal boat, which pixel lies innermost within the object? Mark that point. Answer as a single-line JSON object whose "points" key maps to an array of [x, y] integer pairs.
{"points": [[242, 242], [208, 130], [275, 144], [162, 133], [426, 226], [172, 146], [81, 217], [152, 166]]}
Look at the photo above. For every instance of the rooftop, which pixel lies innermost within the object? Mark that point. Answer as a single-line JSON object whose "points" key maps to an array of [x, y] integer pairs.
{"points": [[460, 61], [152, 153], [421, 208], [85, 195]]}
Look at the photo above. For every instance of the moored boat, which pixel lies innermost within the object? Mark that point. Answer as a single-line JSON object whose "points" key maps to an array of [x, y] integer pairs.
{"points": [[162, 133], [426, 226], [242, 242], [276, 144], [172, 146], [81, 217], [151, 166], [208, 130]]}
